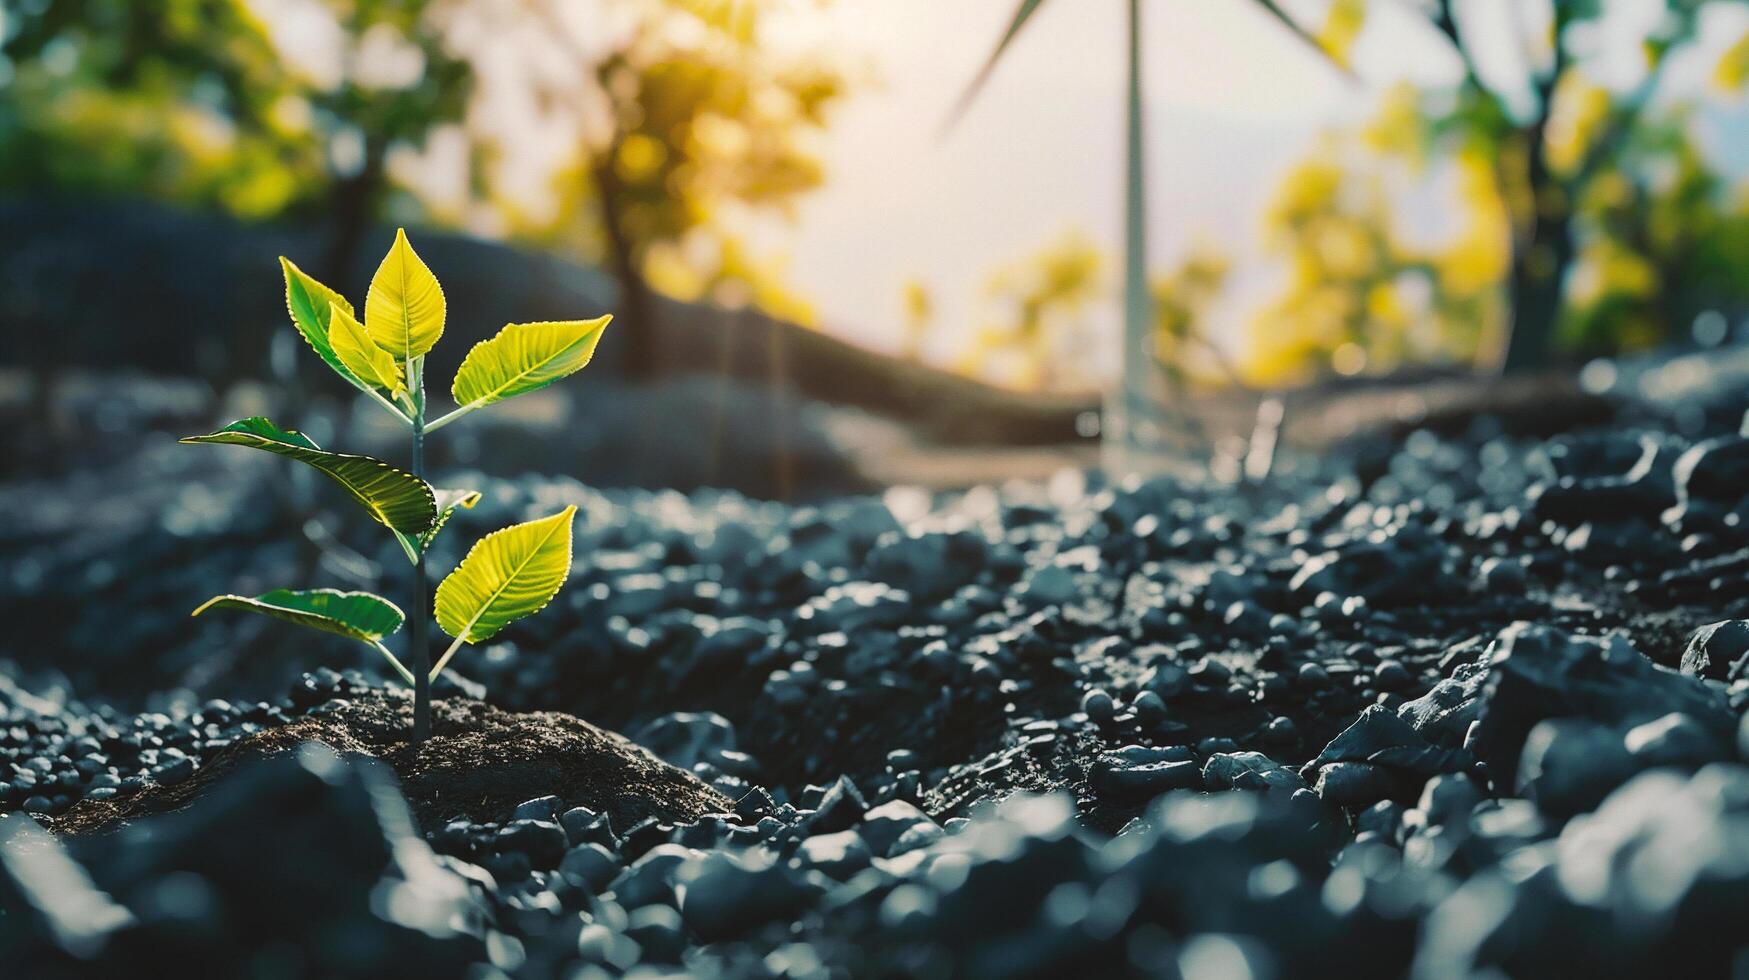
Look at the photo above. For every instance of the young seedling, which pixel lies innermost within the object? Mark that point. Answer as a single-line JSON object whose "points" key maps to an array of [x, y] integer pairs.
{"points": [[508, 574]]}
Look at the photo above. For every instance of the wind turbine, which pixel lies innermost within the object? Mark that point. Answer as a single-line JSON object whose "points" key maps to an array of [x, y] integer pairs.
{"points": [[1137, 303]]}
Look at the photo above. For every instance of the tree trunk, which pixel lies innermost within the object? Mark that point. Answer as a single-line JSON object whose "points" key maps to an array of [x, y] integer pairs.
{"points": [[1536, 291], [351, 208], [1542, 248], [637, 308]]}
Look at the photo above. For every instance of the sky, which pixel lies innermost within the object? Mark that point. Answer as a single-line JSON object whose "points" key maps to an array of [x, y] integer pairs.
{"points": [[1233, 101]]}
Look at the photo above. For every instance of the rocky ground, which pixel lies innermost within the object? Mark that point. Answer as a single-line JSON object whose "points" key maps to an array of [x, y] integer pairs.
{"points": [[1465, 705]]}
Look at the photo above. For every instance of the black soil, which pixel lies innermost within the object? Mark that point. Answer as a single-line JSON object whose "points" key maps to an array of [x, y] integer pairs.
{"points": [[478, 764]]}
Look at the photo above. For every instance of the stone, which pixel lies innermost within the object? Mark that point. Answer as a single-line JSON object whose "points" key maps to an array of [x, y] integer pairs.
{"points": [[882, 826], [1354, 784], [728, 895], [684, 739], [838, 855], [1718, 650]]}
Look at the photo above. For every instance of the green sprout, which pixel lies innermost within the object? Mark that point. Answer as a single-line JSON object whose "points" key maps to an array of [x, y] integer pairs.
{"points": [[508, 574]]}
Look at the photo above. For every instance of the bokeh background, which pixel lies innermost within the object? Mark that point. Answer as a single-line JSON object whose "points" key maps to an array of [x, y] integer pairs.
{"points": [[797, 194], [850, 245]]}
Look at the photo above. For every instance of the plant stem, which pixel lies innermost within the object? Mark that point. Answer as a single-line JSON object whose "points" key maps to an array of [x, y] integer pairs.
{"points": [[393, 409], [451, 417], [394, 662], [420, 655], [443, 661]]}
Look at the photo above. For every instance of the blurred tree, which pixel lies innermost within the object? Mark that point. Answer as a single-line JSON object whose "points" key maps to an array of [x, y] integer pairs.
{"points": [[680, 112], [1138, 317], [1549, 144], [1039, 333], [1360, 295], [679, 117], [213, 103], [1182, 301], [1667, 248]]}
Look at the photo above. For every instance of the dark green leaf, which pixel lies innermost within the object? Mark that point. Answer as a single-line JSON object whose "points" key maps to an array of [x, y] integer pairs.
{"points": [[395, 498], [357, 615]]}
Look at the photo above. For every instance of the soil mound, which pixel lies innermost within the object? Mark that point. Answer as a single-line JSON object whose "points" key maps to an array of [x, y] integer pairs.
{"points": [[479, 763]]}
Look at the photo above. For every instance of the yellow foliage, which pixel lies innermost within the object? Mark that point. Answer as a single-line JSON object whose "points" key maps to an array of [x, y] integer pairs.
{"points": [[1038, 337], [1732, 69], [1342, 26], [1182, 299], [1345, 304], [1581, 110], [1396, 129], [1478, 259]]}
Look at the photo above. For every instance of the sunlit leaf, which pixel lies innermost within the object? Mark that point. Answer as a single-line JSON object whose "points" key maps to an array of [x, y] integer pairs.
{"points": [[357, 615], [525, 356], [507, 575], [368, 362], [447, 502], [310, 304], [395, 498], [404, 310]]}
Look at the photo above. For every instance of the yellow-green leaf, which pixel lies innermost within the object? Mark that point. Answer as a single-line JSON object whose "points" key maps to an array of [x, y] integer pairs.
{"points": [[394, 498], [404, 310], [447, 502], [310, 304], [357, 615], [370, 363], [508, 574], [525, 356]]}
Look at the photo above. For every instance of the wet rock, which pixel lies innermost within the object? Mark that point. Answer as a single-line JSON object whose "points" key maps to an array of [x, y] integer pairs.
{"points": [[1714, 470], [1675, 740], [840, 807], [1718, 650], [1354, 784], [1248, 770], [197, 890], [542, 841], [1535, 672], [1129, 780], [728, 895], [1570, 764], [838, 855], [1381, 738], [590, 866], [882, 826], [686, 738]]}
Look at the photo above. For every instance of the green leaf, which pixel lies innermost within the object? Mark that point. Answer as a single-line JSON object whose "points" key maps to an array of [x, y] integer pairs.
{"points": [[357, 615], [508, 574], [525, 356], [447, 502], [310, 303], [368, 362], [404, 310], [395, 498]]}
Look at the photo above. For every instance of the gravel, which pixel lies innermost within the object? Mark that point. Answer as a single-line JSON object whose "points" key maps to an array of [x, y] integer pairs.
{"points": [[1476, 710]]}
